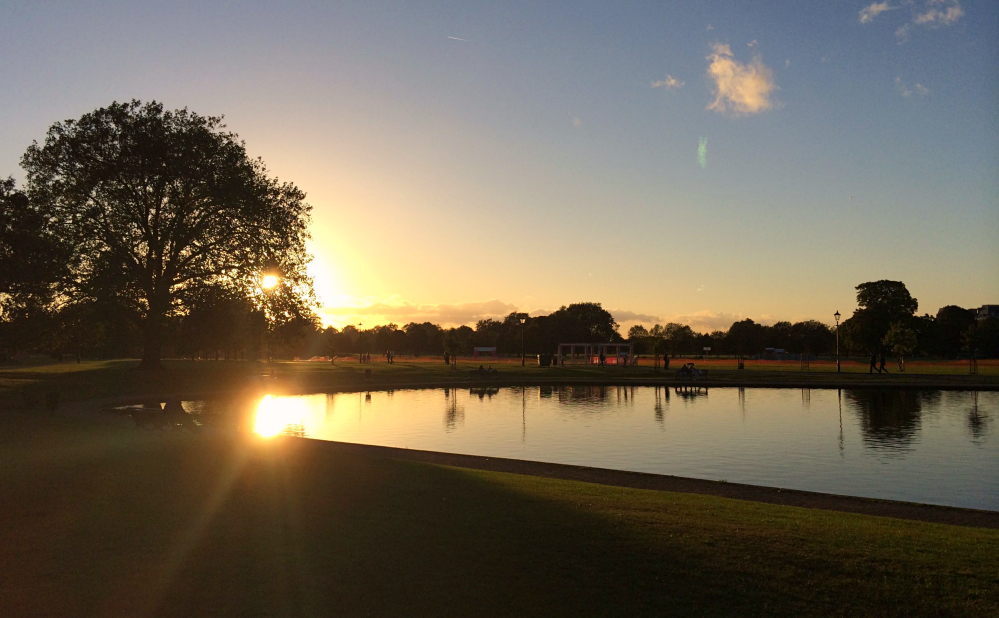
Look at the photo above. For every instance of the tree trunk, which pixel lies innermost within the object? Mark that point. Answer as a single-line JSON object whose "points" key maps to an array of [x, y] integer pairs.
{"points": [[152, 338]]}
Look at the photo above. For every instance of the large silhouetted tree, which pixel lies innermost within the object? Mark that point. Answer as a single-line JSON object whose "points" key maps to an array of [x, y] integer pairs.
{"points": [[952, 323], [880, 304], [157, 204]]}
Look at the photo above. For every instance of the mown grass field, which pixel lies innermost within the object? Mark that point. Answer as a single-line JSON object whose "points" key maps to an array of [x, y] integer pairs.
{"points": [[102, 520], [28, 385]]}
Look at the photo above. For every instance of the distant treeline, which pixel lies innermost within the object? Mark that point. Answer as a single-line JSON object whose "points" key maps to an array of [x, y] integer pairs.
{"points": [[219, 326]]}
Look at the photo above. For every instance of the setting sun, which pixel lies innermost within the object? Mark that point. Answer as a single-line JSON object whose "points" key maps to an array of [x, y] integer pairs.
{"points": [[269, 281]]}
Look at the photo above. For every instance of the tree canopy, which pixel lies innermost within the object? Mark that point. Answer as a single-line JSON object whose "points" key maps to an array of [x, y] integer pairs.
{"points": [[154, 205], [880, 304]]}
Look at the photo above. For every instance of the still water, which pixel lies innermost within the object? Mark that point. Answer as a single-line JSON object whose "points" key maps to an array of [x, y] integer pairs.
{"points": [[936, 447]]}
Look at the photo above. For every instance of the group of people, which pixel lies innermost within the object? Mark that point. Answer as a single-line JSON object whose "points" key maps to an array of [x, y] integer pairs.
{"points": [[364, 358], [389, 357], [875, 362], [483, 371]]}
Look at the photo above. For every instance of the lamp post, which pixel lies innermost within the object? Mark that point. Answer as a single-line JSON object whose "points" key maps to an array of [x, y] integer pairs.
{"points": [[837, 316], [522, 354]]}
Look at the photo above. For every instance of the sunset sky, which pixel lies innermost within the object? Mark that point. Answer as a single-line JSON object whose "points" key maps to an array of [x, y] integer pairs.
{"points": [[694, 162]]}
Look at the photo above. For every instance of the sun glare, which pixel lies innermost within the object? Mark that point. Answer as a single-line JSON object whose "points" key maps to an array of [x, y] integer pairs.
{"points": [[275, 416], [269, 281]]}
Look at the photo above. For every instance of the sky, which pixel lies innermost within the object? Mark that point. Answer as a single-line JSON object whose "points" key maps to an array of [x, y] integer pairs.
{"points": [[674, 161]]}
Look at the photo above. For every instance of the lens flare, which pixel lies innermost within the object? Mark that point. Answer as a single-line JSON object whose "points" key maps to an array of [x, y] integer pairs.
{"points": [[275, 416]]}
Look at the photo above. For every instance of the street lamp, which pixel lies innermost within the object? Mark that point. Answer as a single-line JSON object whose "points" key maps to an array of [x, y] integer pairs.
{"points": [[837, 316], [523, 357]]}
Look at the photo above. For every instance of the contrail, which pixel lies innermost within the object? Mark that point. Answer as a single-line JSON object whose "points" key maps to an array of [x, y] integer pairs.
{"points": [[702, 152], [454, 38]]}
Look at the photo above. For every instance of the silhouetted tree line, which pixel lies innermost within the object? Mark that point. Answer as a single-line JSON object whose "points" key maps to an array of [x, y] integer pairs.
{"points": [[886, 322]]}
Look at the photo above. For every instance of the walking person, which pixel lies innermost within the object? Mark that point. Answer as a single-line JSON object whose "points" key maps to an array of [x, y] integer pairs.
{"points": [[874, 364], [882, 367]]}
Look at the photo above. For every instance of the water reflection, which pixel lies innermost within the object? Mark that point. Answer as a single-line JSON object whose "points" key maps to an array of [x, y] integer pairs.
{"points": [[661, 395], [927, 446], [890, 419], [454, 414], [287, 416], [690, 393], [586, 395], [484, 391], [978, 420]]}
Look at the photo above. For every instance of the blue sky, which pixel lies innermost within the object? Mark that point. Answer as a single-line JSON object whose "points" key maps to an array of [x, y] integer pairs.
{"points": [[468, 159]]}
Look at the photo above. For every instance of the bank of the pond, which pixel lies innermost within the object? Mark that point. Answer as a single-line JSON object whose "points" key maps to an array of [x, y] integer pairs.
{"points": [[104, 520], [661, 482], [29, 386]]}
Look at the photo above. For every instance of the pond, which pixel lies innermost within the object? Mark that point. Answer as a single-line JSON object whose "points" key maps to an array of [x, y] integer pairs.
{"points": [[935, 447]]}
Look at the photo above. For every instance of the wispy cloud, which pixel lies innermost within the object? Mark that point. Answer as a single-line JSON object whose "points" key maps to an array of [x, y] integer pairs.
{"points": [[929, 14], [623, 315], [702, 152], [741, 89], [902, 34], [576, 122], [401, 313], [454, 38], [940, 13], [868, 13], [669, 83], [918, 89], [710, 27], [707, 321]]}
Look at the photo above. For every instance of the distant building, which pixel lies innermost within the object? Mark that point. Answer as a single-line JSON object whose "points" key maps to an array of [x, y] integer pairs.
{"points": [[987, 311]]}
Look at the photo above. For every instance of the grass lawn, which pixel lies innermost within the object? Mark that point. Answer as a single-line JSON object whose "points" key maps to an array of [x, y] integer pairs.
{"points": [[113, 521], [120, 378]]}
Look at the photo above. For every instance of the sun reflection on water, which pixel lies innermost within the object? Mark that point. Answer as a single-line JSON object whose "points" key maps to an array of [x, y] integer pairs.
{"points": [[286, 415]]}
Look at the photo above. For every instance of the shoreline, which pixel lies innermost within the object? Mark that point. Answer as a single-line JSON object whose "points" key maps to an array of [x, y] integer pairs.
{"points": [[913, 511]]}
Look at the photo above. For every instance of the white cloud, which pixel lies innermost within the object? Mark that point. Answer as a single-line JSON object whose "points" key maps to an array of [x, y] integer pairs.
{"points": [[669, 83], [741, 89], [787, 62], [868, 13], [940, 13], [905, 91]]}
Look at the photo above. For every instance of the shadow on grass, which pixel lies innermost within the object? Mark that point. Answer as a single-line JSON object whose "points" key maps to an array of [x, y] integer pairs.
{"points": [[124, 522]]}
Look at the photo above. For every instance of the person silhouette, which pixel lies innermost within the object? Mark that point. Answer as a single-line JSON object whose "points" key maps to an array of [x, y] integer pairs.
{"points": [[882, 361], [874, 364]]}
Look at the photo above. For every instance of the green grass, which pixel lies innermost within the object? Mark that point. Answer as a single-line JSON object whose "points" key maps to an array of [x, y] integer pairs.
{"points": [[120, 378], [110, 521]]}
